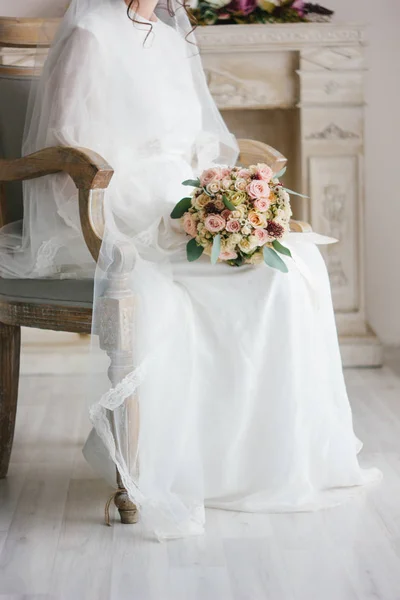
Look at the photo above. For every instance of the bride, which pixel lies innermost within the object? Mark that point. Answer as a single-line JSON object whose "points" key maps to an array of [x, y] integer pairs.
{"points": [[237, 376]]}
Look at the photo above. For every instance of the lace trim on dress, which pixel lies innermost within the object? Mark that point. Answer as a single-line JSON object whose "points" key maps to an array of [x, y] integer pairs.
{"points": [[45, 259], [111, 400]]}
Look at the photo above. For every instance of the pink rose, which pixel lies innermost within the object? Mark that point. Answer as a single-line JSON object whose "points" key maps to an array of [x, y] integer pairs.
{"points": [[228, 255], [244, 173], [262, 204], [225, 172], [226, 213], [209, 176], [219, 204], [264, 172], [226, 183], [258, 188], [189, 224], [214, 223], [299, 7], [233, 226], [262, 236]]}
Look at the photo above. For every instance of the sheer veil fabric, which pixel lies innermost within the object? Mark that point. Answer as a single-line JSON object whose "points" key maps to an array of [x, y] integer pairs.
{"points": [[217, 419]]}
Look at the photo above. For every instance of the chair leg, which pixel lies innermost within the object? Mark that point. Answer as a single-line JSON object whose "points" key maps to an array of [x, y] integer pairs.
{"points": [[116, 313], [10, 345], [128, 511]]}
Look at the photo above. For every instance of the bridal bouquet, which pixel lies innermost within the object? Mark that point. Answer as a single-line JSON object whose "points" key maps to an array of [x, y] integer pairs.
{"points": [[236, 215]]}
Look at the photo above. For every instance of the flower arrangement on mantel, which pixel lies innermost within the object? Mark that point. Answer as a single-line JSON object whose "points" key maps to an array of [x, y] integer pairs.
{"points": [[219, 12]]}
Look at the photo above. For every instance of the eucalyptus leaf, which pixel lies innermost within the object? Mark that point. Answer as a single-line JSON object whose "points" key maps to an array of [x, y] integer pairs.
{"points": [[228, 204], [295, 193], [272, 259], [192, 182], [280, 173], [216, 249], [237, 261], [193, 250], [182, 207], [282, 249]]}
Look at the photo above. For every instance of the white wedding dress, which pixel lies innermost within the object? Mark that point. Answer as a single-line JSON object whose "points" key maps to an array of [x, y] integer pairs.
{"points": [[237, 372]]}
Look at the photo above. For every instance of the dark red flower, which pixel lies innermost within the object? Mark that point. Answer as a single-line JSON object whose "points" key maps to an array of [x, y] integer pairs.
{"points": [[275, 230], [211, 209]]}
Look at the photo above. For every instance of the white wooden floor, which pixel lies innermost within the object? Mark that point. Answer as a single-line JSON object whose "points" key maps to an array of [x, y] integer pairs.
{"points": [[53, 544]]}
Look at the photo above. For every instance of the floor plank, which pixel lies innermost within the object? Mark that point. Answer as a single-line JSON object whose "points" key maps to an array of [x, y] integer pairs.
{"points": [[55, 546]]}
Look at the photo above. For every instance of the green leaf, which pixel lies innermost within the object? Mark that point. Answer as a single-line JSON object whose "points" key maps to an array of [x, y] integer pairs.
{"points": [[237, 262], [280, 173], [193, 250], [272, 259], [216, 249], [282, 249], [182, 207], [192, 182], [228, 204], [295, 193]]}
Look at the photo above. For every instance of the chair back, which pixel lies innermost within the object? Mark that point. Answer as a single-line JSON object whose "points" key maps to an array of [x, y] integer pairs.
{"points": [[19, 40]]}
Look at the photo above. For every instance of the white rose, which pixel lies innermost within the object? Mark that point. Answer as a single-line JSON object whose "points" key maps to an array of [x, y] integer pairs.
{"points": [[239, 212], [233, 240], [248, 245], [256, 259]]}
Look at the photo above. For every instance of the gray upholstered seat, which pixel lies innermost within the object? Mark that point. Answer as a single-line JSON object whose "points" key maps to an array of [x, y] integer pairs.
{"points": [[66, 292]]}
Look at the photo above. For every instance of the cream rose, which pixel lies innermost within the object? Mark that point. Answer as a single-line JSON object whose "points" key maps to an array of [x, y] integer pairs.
{"points": [[199, 202], [213, 187], [233, 240], [256, 259], [240, 212], [247, 245], [240, 184], [257, 219], [237, 197]]}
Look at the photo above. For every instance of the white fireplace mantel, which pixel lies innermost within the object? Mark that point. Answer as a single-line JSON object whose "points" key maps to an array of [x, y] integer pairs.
{"points": [[318, 70], [288, 36]]}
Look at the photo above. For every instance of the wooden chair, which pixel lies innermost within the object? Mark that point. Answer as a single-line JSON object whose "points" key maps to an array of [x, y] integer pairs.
{"points": [[64, 305]]}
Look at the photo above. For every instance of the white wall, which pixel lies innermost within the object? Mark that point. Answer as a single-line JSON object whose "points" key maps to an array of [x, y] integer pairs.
{"points": [[382, 227], [382, 142], [32, 8]]}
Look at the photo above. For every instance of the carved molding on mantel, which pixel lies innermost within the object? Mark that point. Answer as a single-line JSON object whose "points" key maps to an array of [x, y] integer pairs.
{"points": [[288, 36], [332, 132]]}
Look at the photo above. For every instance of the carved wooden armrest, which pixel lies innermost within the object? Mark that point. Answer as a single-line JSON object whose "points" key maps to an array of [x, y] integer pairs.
{"points": [[90, 173], [252, 152], [300, 226]]}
